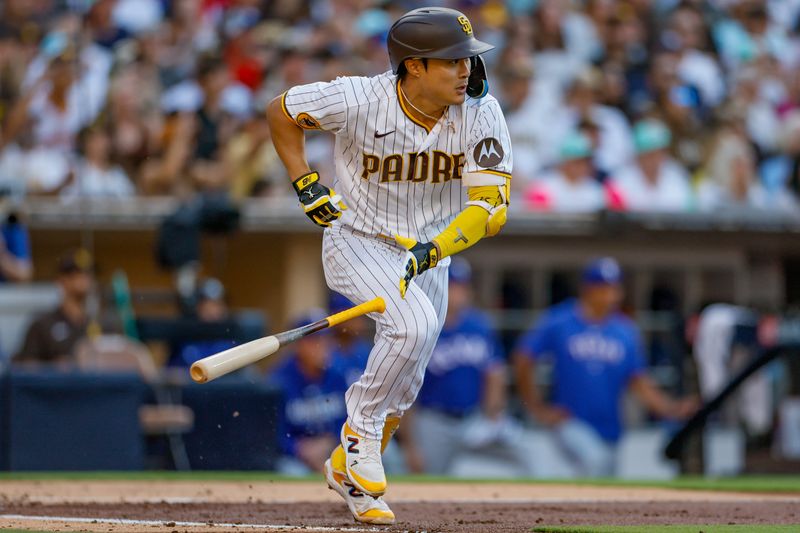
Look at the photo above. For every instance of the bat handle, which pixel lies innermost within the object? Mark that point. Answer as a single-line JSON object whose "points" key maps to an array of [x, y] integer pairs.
{"points": [[376, 305]]}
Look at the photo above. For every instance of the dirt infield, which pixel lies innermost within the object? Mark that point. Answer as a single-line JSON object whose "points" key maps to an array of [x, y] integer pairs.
{"points": [[115, 506]]}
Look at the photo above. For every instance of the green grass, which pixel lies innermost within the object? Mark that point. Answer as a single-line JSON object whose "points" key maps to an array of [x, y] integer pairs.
{"points": [[670, 529], [774, 484]]}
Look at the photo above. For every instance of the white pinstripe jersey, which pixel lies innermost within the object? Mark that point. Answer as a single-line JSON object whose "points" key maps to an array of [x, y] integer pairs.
{"points": [[395, 176]]}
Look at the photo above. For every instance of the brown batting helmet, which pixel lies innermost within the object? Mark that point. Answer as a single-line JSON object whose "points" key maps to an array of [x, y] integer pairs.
{"points": [[439, 33]]}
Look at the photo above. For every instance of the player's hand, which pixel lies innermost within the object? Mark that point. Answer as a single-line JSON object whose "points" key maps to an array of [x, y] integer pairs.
{"points": [[420, 257], [551, 415], [321, 204], [686, 407]]}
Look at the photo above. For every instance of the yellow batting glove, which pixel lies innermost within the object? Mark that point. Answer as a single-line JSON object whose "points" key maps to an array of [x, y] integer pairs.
{"points": [[419, 258], [321, 204]]}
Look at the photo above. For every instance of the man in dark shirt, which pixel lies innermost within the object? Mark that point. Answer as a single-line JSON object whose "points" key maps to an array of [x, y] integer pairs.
{"points": [[52, 337]]}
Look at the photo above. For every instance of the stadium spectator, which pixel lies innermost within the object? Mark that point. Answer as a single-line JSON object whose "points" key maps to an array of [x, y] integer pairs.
{"points": [[678, 104], [96, 175], [654, 182], [243, 54], [462, 402], [15, 249], [180, 39], [757, 91], [596, 355], [253, 164], [184, 123], [613, 146], [133, 109], [65, 89], [626, 40], [686, 35], [572, 187], [528, 104], [52, 337], [564, 41], [213, 77], [313, 394], [747, 33], [730, 177], [166, 172], [100, 24], [15, 54], [292, 69]]}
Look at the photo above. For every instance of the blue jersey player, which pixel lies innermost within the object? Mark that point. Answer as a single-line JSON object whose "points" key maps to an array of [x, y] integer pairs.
{"points": [[314, 408], [597, 355]]}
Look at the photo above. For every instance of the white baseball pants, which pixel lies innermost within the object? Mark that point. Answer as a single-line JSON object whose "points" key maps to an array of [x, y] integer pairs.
{"points": [[362, 267]]}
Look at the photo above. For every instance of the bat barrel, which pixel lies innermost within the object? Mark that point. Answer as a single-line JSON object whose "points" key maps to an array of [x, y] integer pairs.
{"points": [[233, 359], [222, 363]]}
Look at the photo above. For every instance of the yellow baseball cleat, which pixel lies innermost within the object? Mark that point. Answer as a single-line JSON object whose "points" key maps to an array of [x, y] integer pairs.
{"points": [[364, 507], [363, 462]]}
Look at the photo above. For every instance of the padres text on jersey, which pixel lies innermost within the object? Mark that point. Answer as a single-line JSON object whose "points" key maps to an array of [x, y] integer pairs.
{"points": [[395, 176]]}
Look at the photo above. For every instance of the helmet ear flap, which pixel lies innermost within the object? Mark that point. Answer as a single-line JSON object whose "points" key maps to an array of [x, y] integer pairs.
{"points": [[477, 84]]}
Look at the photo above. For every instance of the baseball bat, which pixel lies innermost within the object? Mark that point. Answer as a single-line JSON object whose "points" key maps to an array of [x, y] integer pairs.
{"points": [[217, 365], [675, 446]]}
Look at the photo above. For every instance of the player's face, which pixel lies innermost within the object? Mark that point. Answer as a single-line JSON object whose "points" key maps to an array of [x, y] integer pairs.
{"points": [[76, 285], [602, 298], [446, 80], [650, 162], [459, 295], [312, 352], [577, 169]]}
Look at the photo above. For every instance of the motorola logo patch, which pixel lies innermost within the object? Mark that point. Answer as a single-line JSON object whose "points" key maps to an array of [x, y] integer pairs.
{"points": [[488, 153]]}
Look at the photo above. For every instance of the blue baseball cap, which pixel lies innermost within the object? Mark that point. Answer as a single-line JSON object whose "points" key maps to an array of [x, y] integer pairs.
{"points": [[602, 271], [460, 271]]}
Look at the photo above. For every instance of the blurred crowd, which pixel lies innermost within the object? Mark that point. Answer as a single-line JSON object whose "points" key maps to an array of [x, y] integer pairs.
{"points": [[637, 105], [629, 105]]}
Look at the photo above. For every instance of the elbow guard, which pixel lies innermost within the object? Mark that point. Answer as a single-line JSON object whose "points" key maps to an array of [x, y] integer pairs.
{"points": [[494, 199]]}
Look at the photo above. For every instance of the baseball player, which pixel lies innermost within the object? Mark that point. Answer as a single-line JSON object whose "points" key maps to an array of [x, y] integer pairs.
{"points": [[597, 354], [422, 169], [313, 408]]}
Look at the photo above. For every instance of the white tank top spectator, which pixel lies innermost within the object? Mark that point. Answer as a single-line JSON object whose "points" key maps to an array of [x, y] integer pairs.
{"points": [[571, 187], [654, 181], [730, 177], [95, 175]]}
